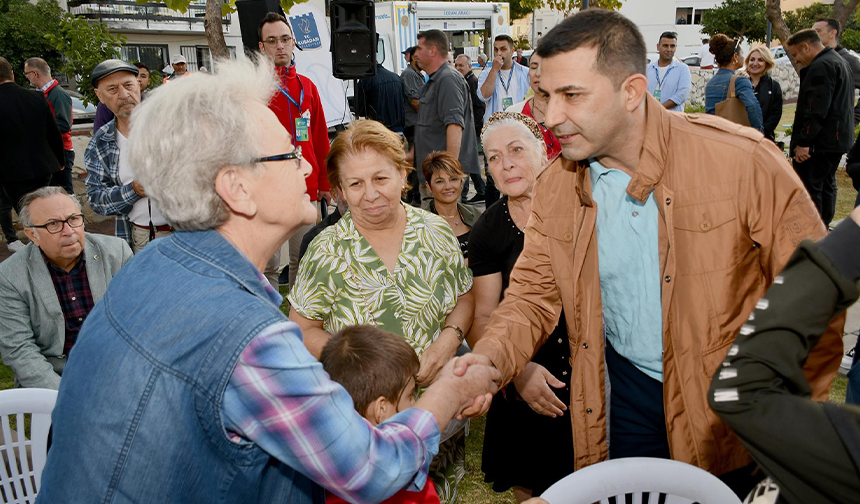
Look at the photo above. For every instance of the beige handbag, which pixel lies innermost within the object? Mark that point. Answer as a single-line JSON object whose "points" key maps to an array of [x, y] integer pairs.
{"points": [[733, 108]]}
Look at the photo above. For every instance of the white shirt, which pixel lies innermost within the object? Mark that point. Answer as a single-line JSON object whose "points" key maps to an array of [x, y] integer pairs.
{"points": [[705, 56], [140, 211], [512, 91]]}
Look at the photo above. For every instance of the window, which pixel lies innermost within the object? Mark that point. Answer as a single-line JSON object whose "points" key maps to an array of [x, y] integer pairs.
{"points": [[697, 18], [684, 15], [201, 56], [154, 56]]}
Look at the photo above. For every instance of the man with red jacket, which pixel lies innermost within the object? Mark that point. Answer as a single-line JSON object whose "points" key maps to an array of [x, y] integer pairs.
{"points": [[297, 105]]}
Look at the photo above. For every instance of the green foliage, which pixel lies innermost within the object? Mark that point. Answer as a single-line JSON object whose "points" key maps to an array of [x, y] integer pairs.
{"points": [[85, 45], [851, 39], [522, 8], [804, 17], [23, 28], [737, 18], [696, 108]]}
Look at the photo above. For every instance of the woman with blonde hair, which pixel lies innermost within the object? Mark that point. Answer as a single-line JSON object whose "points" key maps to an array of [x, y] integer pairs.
{"points": [[729, 56], [759, 62]]}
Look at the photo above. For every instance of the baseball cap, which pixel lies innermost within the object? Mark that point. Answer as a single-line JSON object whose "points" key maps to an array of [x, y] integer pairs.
{"points": [[178, 58]]}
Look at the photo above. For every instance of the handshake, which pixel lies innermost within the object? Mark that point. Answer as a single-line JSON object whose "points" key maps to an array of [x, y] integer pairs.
{"points": [[463, 388]]}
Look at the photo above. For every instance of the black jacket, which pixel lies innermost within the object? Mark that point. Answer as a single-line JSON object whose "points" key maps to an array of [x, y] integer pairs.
{"points": [[811, 450], [769, 94], [30, 142], [381, 98], [478, 106], [824, 117], [854, 64]]}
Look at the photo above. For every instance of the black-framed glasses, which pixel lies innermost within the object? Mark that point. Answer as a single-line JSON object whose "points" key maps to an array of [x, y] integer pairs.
{"points": [[273, 41], [296, 154], [55, 226]]}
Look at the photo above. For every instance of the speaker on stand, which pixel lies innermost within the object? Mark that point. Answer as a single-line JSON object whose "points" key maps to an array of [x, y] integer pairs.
{"points": [[250, 13], [353, 39]]}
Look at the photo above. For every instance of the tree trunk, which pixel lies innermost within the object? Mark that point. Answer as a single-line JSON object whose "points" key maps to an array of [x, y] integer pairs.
{"points": [[841, 11], [214, 30], [773, 13]]}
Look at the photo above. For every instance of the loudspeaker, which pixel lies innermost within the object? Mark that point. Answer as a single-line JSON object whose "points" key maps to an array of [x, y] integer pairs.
{"points": [[353, 39], [251, 12]]}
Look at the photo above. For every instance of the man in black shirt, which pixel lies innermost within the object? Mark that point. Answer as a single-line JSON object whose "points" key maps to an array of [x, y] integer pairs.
{"points": [[380, 98], [463, 64], [823, 122]]}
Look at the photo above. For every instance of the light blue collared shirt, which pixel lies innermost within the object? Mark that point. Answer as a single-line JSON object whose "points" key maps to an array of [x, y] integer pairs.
{"points": [[629, 262], [674, 85]]}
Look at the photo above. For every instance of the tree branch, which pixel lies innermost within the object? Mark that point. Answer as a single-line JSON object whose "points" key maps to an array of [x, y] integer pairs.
{"points": [[773, 12]]}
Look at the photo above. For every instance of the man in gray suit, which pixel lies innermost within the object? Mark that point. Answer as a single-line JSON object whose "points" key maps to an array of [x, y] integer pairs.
{"points": [[49, 287]]}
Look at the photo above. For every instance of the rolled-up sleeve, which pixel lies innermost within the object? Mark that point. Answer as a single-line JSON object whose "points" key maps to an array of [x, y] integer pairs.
{"points": [[451, 101], [279, 398]]}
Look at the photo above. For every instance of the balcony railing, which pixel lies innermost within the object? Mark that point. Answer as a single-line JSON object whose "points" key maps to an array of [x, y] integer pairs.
{"points": [[150, 15]]}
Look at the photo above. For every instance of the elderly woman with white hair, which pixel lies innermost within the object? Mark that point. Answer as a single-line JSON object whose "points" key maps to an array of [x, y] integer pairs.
{"points": [[528, 438], [187, 382]]}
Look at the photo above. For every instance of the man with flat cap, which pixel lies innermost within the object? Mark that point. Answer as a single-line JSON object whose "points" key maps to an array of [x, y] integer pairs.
{"points": [[111, 188]]}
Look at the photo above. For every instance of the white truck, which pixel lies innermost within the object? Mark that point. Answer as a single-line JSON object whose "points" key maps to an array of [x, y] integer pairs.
{"points": [[470, 27]]}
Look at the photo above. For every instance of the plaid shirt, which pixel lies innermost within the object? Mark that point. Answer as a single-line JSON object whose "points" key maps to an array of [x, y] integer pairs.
{"points": [[280, 398], [76, 300], [106, 194]]}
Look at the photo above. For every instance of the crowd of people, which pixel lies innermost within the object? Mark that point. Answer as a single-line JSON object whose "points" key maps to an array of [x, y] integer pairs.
{"points": [[640, 282]]}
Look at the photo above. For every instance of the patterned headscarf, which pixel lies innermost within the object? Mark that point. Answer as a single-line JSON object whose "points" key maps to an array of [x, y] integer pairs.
{"points": [[515, 116]]}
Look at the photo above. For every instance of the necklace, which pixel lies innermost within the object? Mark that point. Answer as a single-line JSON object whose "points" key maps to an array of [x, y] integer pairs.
{"points": [[455, 216]]}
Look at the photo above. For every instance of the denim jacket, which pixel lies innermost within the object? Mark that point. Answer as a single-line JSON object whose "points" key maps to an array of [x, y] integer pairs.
{"points": [[146, 425], [718, 89]]}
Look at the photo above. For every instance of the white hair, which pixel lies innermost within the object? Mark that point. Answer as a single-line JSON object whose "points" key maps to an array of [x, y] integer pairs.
{"points": [[41, 193], [189, 129], [538, 147]]}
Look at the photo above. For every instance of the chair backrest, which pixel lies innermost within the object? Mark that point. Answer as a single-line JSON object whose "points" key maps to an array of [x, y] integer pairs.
{"points": [[24, 449], [630, 479]]}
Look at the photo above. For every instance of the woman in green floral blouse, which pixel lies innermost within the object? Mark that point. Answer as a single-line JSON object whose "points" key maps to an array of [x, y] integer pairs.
{"points": [[389, 265]]}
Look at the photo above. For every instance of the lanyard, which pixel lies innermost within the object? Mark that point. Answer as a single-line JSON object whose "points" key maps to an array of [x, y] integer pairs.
{"points": [[510, 76], [657, 70], [283, 90]]}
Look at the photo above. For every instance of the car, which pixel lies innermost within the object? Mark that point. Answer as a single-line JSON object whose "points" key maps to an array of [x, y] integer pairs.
{"points": [[693, 60], [83, 113]]}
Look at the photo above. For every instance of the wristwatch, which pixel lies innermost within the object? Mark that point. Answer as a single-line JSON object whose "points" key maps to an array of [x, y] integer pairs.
{"points": [[460, 335]]}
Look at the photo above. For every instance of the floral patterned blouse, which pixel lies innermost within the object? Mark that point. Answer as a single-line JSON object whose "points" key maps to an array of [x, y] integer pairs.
{"points": [[342, 281]]}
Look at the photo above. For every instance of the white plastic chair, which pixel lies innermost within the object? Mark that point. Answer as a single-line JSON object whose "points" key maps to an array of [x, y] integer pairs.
{"points": [[19, 482], [664, 481]]}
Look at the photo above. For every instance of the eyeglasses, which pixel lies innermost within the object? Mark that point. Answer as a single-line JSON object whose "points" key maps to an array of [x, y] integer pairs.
{"points": [[296, 154], [273, 41], [55, 226], [737, 44]]}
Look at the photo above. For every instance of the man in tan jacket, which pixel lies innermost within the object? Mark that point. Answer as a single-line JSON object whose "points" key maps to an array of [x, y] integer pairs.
{"points": [[655, 233]]}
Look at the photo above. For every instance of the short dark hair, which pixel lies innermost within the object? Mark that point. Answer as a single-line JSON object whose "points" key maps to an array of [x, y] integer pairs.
{"points": [[832, 23], [5, 70], [140, 64], [806, 36], [668, 34], [620, 46], [435, 38], [506, 38], [412, 50], [271, 17], [369, 362]]}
